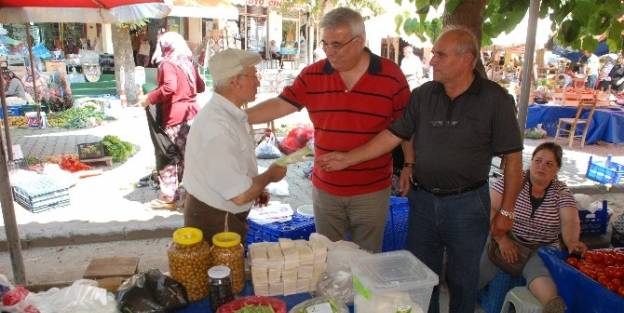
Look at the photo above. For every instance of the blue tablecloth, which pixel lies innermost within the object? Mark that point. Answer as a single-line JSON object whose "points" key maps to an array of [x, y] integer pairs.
{"points": [[203, 306], [607, 124]]}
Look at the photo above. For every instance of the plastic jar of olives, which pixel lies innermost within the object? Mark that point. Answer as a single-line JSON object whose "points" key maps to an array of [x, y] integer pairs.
{"points": [[189, 260], [227, 250]]}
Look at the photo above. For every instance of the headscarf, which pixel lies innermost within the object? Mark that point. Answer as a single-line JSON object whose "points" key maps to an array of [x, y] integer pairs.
{"points": [[175, 50]]}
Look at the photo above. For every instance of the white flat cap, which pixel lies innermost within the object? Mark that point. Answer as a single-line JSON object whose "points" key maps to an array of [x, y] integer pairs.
{"points": [[231, 62]]}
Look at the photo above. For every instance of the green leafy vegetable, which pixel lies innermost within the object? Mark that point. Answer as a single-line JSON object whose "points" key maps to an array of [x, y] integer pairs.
{"points": [[120, 150]]}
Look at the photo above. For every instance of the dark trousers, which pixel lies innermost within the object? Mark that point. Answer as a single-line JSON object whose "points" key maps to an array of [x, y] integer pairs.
{"points": [[211, 220], [459, 224]]}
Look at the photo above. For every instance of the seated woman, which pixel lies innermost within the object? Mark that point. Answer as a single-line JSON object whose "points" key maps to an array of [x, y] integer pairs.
{"points": [[545, 208], [13, 85]]}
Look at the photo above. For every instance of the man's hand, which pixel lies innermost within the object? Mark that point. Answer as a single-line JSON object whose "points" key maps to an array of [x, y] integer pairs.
{"points": [[143, 101], [276, 172], [263, 199], [508, 248], [333, 161], [405, 181], [501, 225]]}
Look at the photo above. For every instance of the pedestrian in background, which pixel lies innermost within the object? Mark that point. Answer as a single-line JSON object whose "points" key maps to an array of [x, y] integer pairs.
{"points": [[176, 98]]}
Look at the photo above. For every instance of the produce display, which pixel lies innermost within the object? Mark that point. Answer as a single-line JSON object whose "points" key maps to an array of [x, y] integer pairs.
{"points": [[77, 118], [120, 150], [16, 121], [227, 250], [69, 163], [189, 260], [254, 304], [604, 266]]}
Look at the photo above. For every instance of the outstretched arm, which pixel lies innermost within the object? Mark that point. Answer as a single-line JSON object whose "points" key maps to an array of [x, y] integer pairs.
{"points": [[383, 143], [269, 110]]}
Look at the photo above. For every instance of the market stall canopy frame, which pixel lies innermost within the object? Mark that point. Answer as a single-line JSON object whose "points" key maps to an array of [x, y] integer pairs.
{"points": [[81, 11]]}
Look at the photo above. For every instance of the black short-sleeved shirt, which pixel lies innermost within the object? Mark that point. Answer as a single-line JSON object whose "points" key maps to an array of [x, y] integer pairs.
{"points": [[456, 140]]}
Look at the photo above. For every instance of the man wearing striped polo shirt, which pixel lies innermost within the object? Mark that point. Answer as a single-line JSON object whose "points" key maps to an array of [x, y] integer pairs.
{"points": [[351, 96]]}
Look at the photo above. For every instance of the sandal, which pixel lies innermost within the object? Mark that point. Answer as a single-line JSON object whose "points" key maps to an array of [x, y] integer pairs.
{"points": [[158, 204]]}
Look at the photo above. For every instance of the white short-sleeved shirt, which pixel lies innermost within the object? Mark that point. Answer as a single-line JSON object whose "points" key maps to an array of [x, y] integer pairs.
{"points": [[220, 160]]}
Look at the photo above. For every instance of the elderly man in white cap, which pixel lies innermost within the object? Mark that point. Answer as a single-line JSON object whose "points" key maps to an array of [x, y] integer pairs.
{"points": [[221, 174]]}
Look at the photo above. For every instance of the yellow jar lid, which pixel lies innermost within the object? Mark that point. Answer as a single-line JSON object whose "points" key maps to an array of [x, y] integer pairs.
{"points": [[226, 239], [188, 236]]}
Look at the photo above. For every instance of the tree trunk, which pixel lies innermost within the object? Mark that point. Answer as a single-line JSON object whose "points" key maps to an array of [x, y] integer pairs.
{"points": [[124, 57], [470, 15]]}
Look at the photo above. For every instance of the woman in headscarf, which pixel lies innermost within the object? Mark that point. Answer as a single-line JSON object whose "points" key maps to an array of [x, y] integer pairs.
{"points": [[178, 85]]}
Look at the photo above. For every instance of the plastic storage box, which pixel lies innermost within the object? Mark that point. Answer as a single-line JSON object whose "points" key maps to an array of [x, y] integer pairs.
{"points": [[392, 282], [41, 194], [605, 172], [580, 293], [13, 111], [299, 227], [595, 223], [395, 232]]}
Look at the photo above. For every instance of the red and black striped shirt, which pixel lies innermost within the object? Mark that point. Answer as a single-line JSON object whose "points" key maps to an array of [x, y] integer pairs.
{"points": [[345, 119]]}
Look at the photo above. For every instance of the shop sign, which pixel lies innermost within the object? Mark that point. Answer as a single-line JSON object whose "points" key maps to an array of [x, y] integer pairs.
{"points": [[265, 3]]}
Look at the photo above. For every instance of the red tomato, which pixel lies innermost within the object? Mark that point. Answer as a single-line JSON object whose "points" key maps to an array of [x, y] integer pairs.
{"points": [[621, 291], [603, 280], [573, 261]]}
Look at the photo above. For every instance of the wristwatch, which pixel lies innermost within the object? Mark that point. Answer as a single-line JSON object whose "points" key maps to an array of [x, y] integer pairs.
{"points": [[507, 214]]}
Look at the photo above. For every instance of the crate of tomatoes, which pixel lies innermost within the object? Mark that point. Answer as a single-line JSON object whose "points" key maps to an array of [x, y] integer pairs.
{"points": [[591, 283]]}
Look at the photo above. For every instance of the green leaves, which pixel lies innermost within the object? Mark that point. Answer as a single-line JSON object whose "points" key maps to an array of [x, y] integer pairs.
{"points": [[451, 5], [589, 43]]}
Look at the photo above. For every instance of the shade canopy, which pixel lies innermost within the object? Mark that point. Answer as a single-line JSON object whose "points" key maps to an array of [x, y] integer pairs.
{"points": [[81, 11]]}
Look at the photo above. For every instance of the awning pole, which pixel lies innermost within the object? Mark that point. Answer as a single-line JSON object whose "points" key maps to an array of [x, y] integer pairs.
{"points": [[32, 70], [7, 131], [8, 213]]}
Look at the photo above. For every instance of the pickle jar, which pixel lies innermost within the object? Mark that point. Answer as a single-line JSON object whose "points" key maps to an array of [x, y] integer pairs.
{"points": [[189, 260], [227, 250]]}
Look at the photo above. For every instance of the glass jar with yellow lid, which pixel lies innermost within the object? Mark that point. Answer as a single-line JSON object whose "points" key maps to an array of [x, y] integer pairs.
{"points": [[189, 260], [227, 250]]}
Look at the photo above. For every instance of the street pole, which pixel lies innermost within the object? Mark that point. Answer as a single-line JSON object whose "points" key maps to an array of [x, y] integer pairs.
{"points": [[527, 66], [7, 131], [10, 224], [32, 70]]}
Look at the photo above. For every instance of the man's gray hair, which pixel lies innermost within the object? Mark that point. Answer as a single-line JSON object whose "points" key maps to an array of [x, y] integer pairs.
{"points": [[466, 41], [344, 17], [224, 83]]}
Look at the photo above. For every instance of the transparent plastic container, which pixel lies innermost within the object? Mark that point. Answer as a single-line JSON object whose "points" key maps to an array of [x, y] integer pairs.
{"points": [[392, 282], [227, 250], [189, 260]]}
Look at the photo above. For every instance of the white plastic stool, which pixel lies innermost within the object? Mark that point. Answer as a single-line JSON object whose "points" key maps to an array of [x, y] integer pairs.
{"points": [[522, 300]]}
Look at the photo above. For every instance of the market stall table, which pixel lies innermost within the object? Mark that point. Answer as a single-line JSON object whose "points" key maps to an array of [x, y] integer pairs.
{"points": [[203, 306], [607, 123]]}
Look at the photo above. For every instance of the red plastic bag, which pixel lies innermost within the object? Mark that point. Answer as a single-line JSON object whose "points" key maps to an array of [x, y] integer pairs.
{"points": [[296, 139], [278, 305], [13, 301]]}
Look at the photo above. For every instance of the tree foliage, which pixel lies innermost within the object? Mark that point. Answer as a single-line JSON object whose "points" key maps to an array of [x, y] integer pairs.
{"points": [[577, 23], [318, 7]]}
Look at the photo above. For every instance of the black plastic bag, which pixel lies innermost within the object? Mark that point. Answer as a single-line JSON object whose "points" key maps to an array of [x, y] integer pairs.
{"points": [[150, 292]]}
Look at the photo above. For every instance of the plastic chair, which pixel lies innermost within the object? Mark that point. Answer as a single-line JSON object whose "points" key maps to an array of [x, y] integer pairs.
{"points": [[575, 122], [522, 300]]}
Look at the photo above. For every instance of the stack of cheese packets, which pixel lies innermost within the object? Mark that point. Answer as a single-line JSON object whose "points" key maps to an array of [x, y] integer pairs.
{"points": [[287, 267]]}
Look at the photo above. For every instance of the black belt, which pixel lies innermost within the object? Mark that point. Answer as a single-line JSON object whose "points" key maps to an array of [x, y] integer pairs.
{"points": [[449, 192]]}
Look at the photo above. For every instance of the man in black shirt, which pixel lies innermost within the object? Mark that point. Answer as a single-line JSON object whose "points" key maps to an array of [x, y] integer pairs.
{"points": [[457, 123]]}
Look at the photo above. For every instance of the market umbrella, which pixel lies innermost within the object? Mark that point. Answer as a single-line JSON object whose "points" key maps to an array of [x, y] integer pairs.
{"points": [[65, 11], [81, 11]]}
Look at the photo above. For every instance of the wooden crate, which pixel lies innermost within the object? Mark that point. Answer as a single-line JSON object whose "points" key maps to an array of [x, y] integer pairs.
{"points": [[111, 272]]}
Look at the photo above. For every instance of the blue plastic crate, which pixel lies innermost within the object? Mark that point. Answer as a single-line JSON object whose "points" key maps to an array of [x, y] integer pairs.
{"points": [[580, 293], [299, 227], [595, 223], [492, 296], [605, 172], [13, 111], [395, 232]]}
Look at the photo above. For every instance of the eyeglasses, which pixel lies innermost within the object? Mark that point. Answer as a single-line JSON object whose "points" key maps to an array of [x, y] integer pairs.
{"points": [[547, 164], [336, 45]]}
